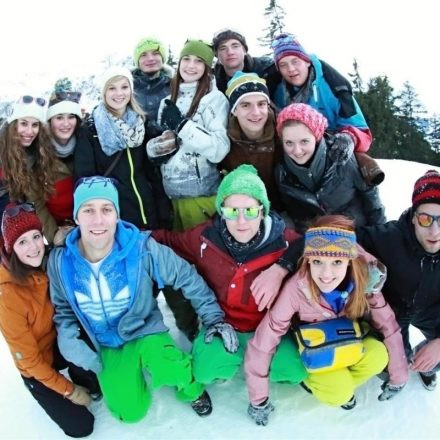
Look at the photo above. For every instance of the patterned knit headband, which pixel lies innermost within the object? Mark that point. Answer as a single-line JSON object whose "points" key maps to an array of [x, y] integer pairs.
{"points": [[330, 242]]}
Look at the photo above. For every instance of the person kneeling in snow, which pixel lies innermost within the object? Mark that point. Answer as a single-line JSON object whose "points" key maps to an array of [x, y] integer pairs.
{"points": [[103, 279], [230, 251]]}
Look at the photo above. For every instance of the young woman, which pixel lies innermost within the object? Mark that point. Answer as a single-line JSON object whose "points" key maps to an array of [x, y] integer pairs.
{"points": [[63, 122], [314, 181], [26, 323], [112, 143], [336, 278], [197, 112], [28, 160]]}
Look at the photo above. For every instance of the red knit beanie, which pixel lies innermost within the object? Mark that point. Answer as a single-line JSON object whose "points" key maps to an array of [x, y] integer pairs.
{"points": [[312, 119], [426, 189], [14, 226]]}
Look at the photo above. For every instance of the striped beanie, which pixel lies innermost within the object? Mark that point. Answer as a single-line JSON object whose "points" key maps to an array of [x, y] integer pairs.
{"points": [[426, 189], [327, 241], [284, 45], [242, 84]]}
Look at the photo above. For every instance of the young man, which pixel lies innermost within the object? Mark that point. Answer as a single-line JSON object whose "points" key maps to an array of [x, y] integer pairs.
{"points": [[251, 129], [102, 281], [152, 76], [231, 51], [410, 249], [229, 251], [309, 80]]}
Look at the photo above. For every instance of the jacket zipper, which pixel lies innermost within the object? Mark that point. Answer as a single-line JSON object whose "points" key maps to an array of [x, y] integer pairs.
{"points": [[133, 184]]}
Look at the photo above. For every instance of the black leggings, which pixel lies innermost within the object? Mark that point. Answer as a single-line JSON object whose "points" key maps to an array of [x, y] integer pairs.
{"points": [[75, 420]]}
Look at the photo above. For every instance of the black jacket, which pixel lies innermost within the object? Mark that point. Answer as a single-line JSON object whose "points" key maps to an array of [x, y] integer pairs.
{"points": [[142, 199], [264, 67], [413, 282]]}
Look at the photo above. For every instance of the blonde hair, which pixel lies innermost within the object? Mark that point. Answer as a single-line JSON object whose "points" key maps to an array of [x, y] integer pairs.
{"points": [[357, 271], [133, 102]]}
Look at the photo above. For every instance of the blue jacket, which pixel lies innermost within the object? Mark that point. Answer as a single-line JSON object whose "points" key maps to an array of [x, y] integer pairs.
{"points": [[144, 261], [321, 99]]}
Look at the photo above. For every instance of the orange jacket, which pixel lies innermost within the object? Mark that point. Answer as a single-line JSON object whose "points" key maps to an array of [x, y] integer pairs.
{"points": [[26, 323]]}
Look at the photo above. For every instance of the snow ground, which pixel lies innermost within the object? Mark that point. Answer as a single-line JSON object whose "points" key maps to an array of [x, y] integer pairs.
{"points": [[413, 414]]}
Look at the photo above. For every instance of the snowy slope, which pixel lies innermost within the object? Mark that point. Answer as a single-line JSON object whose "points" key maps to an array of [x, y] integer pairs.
{"points": [[415, 413]]}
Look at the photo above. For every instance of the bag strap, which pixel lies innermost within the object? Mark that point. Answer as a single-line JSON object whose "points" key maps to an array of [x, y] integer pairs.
{"points": [[113, 164]]}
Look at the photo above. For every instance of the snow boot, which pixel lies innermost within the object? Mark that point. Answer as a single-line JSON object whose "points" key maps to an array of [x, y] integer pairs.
{"points": [[428, 381], [350, 404], [202, 405]]}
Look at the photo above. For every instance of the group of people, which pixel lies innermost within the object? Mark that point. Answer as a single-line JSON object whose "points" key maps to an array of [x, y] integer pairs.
{"points": [[244, 194]]}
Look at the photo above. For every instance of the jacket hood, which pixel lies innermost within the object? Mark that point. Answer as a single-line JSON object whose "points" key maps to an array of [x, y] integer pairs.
{"points": [[236, 134], [126, 237]]}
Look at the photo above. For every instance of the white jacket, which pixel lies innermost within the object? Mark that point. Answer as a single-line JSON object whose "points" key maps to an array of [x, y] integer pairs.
{"points": [[192, 171]]}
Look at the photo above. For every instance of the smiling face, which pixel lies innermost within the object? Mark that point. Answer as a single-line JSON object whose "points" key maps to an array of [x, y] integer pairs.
{"points": [[150, 61], [294, 70], [243, 230], [298, 142], [29, 248], [230, 54], [191, 68], [27, 130], [97, 220], [328, 272], [62, 127], [117, 95], [429, 238], [252, 113]]}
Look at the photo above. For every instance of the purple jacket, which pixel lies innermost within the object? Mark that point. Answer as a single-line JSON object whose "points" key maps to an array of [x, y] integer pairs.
{"points": [[295, 297]]}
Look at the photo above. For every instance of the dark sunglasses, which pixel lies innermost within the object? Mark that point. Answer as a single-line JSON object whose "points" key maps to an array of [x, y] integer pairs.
{"points": [[95, 179], [28, 99], [65, 96], [426, 220], [13, 211]]}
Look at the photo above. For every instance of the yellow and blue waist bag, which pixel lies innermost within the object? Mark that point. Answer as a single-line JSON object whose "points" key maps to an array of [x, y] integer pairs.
{"points": [[330, 345]]}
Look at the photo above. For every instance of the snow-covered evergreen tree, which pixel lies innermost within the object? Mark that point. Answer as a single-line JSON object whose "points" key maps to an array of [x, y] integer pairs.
{"points": [[274, 14]]}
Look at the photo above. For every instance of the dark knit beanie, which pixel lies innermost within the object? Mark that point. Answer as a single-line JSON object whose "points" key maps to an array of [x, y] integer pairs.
{"points": [[284, 45], [18, 219], [228, 34], [426, 189]]}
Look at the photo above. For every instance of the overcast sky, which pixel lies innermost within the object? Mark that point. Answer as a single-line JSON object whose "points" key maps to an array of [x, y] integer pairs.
{"points": [[43, 40]]}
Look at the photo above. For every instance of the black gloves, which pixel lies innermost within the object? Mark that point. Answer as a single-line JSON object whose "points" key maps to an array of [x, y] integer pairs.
{"points": [[172, 117]]}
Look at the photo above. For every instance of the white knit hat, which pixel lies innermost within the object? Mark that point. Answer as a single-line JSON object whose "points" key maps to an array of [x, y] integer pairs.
{"points": [[28, 107], [113, 71], [61, 107]]}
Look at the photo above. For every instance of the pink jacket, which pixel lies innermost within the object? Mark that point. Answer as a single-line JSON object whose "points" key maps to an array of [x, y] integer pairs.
{"points": [[295, 297]]}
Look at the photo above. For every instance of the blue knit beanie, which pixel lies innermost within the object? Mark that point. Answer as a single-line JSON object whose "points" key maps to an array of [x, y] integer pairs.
{"points": [[95, 187]]}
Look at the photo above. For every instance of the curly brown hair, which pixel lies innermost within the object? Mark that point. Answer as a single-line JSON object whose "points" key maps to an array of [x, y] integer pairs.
{"points": [[16, 174]]}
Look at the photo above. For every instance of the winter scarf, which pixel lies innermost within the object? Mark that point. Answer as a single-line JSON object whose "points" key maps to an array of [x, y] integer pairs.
{"points": [[301, 94], [239, 251], [310, 174], [63, 151], [116, 134], [338, 298]]}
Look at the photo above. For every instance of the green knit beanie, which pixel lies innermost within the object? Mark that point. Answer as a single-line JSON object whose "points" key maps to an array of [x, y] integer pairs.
{"points": [[200, 49], [243, 180], [147, 44]]}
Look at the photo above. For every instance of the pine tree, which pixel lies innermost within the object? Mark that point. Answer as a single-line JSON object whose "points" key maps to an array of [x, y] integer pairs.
{"points": [[434, 133], [63, 84], [275, 15], [358, 84], [171, 60]]}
